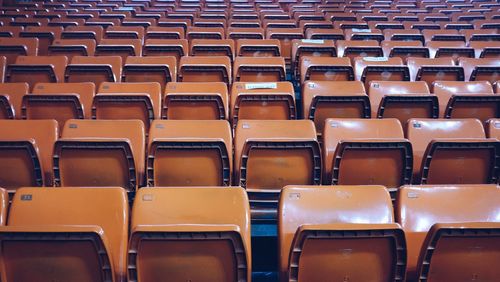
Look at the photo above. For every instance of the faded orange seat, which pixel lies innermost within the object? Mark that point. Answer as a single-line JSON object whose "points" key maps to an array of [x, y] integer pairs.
{"points": [[368, 69], [486, 49], [442, 35], [348, 225], [83, 32], [430, 70], [72, 47], [103, 22], [166, 47], [202, 234], [484, 69], [348, 24], [480, 35], [11, 48], [285, 36], [209, 22], [364, 34], [452, 152], [205, 69], [26, 152], [402, 100], [160, 69], [128, 100], [403, 35], [180, 149], [448, 242], [259, 69], [310, 48], [358, 48], [237, 33], [94, 69], [119, 47], [10, 31], [258, 48], [47, 226], [486, 24], [262, 101], [160, 32], [124, 32], [334, 99], [325, 69], [453, 49], [270, 154], [472, 99], [11, 97], [404, 49], [194, 32], [212, 47], [45, 34], [366, 152], [319, 24], [325, 34], [34, 69], [107, 153]]}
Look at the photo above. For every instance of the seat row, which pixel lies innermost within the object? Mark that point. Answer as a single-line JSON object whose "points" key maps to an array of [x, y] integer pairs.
{"points": [[204, 234]]}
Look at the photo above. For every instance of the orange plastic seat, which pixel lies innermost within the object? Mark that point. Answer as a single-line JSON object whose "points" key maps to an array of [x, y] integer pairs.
{"points": [[404, 49], [34, 69], [124, 32], [193, 32], [262, 101], [364, 34], [180, 149], [72, 47], [480, 35], [159, 32], [10, 31], [237, 33], [445, 241], [103, 22], [346, 25], [258, 48], [83, 32], [442, 35], [119, 47], [402, 100], [213, 47], [94, 69], [406, 35], [285, 36], [128, 100], [259, 69], [11, 48], [205, 69], [72, 232], [486, 24], [334, 99], [325, 34], [430, 70], [26, 153], [348, 225], [484, 69], [45, 34], [368, 69], [352, 49], [492, 128], [178, 232], [325, 69], [452, 152], [166, 47], [106, 153], [366, 152], [453, 49], [11, 97], [160, 69], [311, 48], [486, 49], [270, 154]]}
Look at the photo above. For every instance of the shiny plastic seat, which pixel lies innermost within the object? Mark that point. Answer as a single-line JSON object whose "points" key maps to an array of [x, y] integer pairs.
{"points": [[178, 232], [11, 96], [26, 153], [259, 69], [180, 149], [258, 48], [325, 34], [430, 70], [128, 100], [124, 32], [35, 69], [11, 48], [10, 31], [486, 49], [166, 47], [403, 35], [205, 69], [348, 225], [83, 32], [452, 241], [484, 69], [72, 47], [94, 69], [106, 153], [212, 47], [45, 34], [364, 34], [285, 36], [334, 99], [262, 101], [442, 35], [194, 32], [119, 47], [404, 49], [237, 33], [325, 69], [480, 35], [159, 32], [366, 152], [368, 69], [453, 49], [310, 48], [160, 69], [492, 128], [47, 226], [452, 152], [358, 48]]}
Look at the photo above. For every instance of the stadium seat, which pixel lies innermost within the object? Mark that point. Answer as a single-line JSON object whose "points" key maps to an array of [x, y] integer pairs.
{"points": [[166, 47], [331, 231], [198, 234], [194, 32], [366, 152], [404, 49], [26, 153], [402, 100], [308, 47], [45, 34], [259, 69], [180, 149], [205, 69], [160, 69], [119, 47], [333, 99], [368, 69], [484, 69], [453, 241], [124, 32], [35, 69], [492, 128], [11, 97], [453, 49], [358, 48], [480, 35], [262, 101], [285, 36], [10, 31], [237, 33], [406, 35], [94, 69], [486, 49], [363, 35], [107, 153], [442, 35], [325, 69], [11, 48], [83, 32], [159, 32], [452, 152], [258, 48], [128, 100], [325, 34], [212, 47], [430, 70], [270, 154], [71, 232], [72, 47]]}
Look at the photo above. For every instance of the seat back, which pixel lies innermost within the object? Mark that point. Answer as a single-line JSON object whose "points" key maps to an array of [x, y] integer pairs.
{"points": [[106, 153], [430, 70], [421, 213], [180, 149], [404, 49], [166, 47], [83, 32], [150, 69], [11, 96], [259, 69], [368, 69], [321, 225], [178, 232], [46, 226], [258, 48], [484, 69], [72, 47], [26, 152], [45, 34], [34, 69], [205, 69], [159, 32], [325, 69], [119, 47], [12, 48], [213, 47], [358, 48], [124, 32], [94, 69]]}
